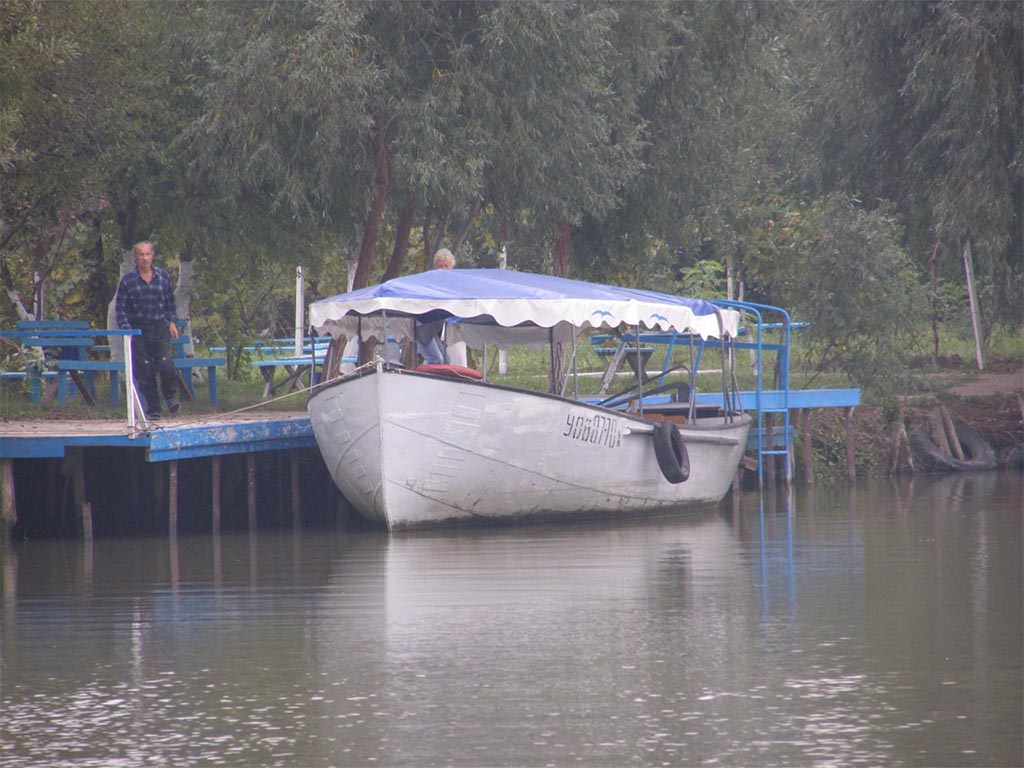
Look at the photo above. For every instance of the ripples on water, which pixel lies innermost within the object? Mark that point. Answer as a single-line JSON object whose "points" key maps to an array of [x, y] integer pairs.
{"points": [[878, 628]]}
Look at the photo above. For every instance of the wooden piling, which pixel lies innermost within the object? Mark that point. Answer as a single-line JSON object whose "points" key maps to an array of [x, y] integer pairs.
{"points": [[296, 490], [808, 451], [954, 441], [74, 463], [250, 466], [8, 507], [215, 470], [172, 497], [851, 466], [159, 480]]}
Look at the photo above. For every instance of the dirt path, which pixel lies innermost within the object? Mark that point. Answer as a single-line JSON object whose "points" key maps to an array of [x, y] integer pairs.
{"points": [[988, 384]]}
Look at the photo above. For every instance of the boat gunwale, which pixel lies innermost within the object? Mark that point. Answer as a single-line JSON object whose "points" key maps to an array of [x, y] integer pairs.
{"points": [[691, 426]]}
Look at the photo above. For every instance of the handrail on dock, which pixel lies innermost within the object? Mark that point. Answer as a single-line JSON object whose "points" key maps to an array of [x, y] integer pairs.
{"points": [[759, 310]]}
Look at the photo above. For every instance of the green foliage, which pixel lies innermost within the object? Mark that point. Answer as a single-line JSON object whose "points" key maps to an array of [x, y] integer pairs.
{"points": [[676, 139], [841, 269], [705, 280], [922, 107]]}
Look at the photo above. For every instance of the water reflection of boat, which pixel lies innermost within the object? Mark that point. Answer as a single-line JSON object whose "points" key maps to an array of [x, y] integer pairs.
{"points": [[415, 446]]}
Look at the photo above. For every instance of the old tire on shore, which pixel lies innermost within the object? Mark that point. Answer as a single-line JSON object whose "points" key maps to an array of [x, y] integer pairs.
{"points": [[978, 454], [670, 450], [1012, 458]]}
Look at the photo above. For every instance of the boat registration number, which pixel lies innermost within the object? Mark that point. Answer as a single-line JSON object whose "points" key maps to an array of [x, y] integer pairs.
{"points": [[595, 429]]}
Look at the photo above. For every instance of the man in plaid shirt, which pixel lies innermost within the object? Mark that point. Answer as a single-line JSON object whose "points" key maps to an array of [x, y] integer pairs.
{"points": [[145, 300]]}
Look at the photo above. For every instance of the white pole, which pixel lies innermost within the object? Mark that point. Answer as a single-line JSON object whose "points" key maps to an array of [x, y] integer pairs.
{"points": [[972, 295], [300, 310], [131, 395], [502, 355], [129, 385]]}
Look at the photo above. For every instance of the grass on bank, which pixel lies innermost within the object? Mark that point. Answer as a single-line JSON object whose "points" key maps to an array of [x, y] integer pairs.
{"points": [[527, 369]]}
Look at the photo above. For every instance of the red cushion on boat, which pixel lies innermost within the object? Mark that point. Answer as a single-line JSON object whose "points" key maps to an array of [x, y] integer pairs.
{"points": [[444, 369]]}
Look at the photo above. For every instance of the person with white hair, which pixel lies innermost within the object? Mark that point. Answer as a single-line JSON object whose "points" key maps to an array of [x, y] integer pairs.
{"points": [[429, 343], [444, 259]]}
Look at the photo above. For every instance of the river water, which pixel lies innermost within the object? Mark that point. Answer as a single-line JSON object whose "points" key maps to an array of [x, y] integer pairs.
{"points": [[875, 625]]}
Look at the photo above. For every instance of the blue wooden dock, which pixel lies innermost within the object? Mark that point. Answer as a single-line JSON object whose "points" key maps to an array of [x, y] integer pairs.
{"points": [[268, 454], [163, 441]]}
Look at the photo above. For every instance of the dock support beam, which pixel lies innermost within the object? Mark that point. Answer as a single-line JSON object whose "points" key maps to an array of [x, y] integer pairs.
{"points": [[172, 498], [296, 490], [8, 507], [250, 466], [808, 452], [75, 468], [851, 465], [215, 483]]}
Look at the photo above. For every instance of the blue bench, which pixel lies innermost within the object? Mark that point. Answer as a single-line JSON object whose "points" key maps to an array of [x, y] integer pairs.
{"points": [[295, 368], [185, 365], [65, 345]]}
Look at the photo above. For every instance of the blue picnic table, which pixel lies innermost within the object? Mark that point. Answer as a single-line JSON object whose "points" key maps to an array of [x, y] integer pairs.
{"points": [[69, 351]]}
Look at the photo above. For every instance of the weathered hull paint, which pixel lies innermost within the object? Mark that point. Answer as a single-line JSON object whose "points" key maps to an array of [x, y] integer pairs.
{"points": [[411, 450]]}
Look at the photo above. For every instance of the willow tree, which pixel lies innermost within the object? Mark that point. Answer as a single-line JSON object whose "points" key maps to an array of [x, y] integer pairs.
{"points": [[703, 83], [79, 109], [567, 136], [923, 107]]}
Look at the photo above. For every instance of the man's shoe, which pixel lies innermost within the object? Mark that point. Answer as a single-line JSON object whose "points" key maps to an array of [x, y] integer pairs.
{"points": [[153, 415], [174, 406]]}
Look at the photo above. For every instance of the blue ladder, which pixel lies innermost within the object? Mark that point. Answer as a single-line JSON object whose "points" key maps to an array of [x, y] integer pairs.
{"points": [[764, 446]]}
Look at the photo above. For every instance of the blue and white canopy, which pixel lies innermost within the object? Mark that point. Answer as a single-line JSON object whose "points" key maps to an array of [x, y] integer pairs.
{"points": [[489, 300]]}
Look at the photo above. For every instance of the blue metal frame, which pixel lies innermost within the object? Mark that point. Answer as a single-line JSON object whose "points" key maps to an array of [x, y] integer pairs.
{"points": [[764, 447]]}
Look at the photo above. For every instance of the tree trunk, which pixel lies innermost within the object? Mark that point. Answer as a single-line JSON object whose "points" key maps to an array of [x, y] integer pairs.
{"points": [[12, 291], [98, 286], [395, 266], [371, 227], [463, 232], [116, 342], [431, 244], [560, 253], [183, 297]]}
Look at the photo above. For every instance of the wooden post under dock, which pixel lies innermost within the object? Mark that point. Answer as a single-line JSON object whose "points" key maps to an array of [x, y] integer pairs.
{"points": [[296, 490], [172, 498], [74, 468], [215, 471], [8, 505], [805, 431], [250, 466], [851, 465]]}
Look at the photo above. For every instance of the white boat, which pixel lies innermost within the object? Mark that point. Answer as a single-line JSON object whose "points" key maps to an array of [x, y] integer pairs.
{"points": [[436, 444]]}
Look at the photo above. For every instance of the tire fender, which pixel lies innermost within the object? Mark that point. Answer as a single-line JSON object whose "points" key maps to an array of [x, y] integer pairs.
{"points": [[979, 452], [670, 450]]}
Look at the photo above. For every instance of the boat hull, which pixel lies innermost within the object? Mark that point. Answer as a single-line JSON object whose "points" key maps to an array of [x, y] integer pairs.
{"points": [[410, 449]]}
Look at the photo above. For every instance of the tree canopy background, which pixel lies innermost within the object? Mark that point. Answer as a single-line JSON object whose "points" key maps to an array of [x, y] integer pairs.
{"points": [[834, 158]]}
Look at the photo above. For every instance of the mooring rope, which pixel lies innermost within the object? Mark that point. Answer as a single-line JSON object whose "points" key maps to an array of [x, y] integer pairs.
{"points": [[213, 418]]}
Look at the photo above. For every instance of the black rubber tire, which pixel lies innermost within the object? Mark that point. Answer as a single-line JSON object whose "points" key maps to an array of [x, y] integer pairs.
{"points": [[670, 450], [979, 453], [1012, 458]]}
